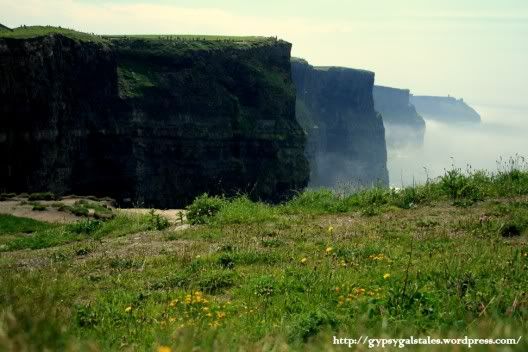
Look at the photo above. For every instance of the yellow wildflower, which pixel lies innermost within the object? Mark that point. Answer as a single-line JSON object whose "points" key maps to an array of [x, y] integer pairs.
{"points": [[220, 315], [386, 276], [329, 250], [128, 309], [330, 229], [304, 260], [173, 303], [164, 349]]}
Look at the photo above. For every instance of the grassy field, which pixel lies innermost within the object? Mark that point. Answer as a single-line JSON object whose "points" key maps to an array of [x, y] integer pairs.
{"points": [[446, 259]]}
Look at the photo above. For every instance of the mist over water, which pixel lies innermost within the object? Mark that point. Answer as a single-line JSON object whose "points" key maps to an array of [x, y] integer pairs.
{"points": [[502, 133]]}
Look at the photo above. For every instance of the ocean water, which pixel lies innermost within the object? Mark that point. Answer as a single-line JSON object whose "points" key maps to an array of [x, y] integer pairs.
{"points": [[503, 133]]}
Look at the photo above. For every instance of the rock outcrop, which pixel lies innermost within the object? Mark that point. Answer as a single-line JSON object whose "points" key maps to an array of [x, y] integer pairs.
{"points": [[403, 125], [154, 122], [346, 137], [445, 109]]}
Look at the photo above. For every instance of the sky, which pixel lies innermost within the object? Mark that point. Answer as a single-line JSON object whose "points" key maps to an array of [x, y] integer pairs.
{"points": [[475, 49]]}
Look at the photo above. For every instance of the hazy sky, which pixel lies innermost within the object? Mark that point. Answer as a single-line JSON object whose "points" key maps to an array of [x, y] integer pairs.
{"points": [[476, 49]]}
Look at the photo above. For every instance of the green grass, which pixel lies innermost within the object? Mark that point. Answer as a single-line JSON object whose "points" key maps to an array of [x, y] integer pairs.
{"points": [[28, 32], [43, 235], [459, 188], [41, 196], [254, 276], [10, 224], [83, 207]]}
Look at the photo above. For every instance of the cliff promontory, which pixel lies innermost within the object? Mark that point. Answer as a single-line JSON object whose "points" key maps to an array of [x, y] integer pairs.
{"points": [[346, 137], [403, 125], [446, 109], [148, 120]]}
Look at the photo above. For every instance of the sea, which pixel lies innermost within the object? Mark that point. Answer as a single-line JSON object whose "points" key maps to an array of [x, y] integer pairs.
{"points": [[500, 139]]}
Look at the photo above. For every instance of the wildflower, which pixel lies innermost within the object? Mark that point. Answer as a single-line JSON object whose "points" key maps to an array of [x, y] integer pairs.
{"points": [[173, 303], [330, 229], [164, 349], [220, 315], [304, 260], [128, 309], [329, 250], [386, 276], [380, 256], [214, 324]]}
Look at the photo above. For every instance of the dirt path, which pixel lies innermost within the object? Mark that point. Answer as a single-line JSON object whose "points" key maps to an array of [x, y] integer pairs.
{"points": [[53, 215], [22, 208]]}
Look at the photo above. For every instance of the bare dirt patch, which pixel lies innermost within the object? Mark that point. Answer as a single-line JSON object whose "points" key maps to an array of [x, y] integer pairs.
{"points": [[21, 207]]}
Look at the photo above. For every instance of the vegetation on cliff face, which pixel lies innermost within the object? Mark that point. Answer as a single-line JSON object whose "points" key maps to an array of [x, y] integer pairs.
{"points": [[446, 259]]}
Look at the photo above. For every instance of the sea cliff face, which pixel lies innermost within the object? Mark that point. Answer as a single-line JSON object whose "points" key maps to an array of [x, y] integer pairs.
{"points": [[151, 122], [403, 125], [346, 137], [444, 109]]}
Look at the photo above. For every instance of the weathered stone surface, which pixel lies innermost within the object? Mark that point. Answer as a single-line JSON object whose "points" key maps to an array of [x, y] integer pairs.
{"points": [[151, 122], [346, 137], [403, 125]]}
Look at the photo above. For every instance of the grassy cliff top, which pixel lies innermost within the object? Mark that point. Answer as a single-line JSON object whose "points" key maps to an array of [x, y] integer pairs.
{"points": [[168, 45], [339, 68], [187, 40], [27, 32], [302, 61], [190, 37]]}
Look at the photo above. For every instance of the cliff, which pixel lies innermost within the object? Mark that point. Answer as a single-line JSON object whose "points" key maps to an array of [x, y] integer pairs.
{"points": [[446, 109], [149, 120], [346, 137], [403, 125]]}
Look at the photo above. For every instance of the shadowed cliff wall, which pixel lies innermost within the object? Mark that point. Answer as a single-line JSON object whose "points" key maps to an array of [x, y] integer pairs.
{"points": [[403, 125], [346, 138], [151, 122]]}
